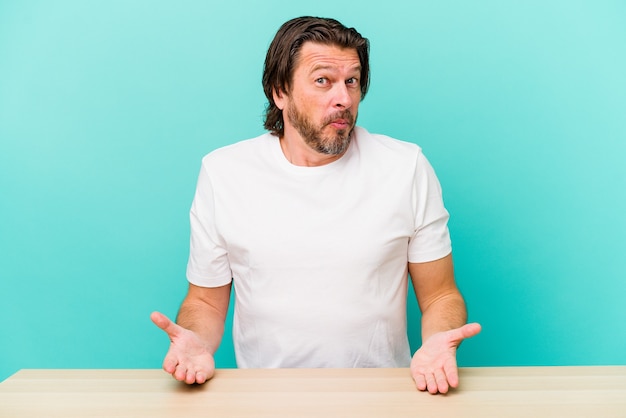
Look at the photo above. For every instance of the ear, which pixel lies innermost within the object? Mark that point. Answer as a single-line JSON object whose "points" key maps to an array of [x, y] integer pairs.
{"points": [[280, 98]]}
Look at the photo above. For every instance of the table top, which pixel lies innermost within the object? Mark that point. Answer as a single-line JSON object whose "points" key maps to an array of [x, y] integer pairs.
{"points": [[585, 391]]}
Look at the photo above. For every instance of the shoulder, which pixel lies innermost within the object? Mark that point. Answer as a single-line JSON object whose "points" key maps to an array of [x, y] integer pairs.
{"points": [[239, 154], [385, 148]]}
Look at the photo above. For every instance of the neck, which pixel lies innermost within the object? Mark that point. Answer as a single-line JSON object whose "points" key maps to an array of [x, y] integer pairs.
{"points": [[299, 153]]}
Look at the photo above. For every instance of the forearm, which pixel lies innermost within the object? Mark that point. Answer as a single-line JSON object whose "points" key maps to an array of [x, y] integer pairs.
{"points": [[440, 301], [204, 312], [204, 321], [446, 313]]}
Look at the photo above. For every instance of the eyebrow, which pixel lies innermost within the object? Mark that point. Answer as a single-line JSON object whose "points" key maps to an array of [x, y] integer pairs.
{"points": [[333, 68]]}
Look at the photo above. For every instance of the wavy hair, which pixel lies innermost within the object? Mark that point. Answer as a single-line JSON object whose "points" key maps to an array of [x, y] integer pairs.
{"points": [[283, 53]]}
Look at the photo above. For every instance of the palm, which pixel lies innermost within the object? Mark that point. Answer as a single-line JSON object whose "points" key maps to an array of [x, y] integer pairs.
{"points": [[188, 359], [188, 349], [434, 365], [436, 352]]}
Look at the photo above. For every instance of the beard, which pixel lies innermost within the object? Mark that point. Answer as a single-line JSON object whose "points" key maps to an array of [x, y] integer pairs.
{"points": [[335, 143]]}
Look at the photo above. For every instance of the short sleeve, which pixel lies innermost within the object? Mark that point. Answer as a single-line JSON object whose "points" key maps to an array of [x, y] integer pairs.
{"points": [[208, 264], [431, 237]]}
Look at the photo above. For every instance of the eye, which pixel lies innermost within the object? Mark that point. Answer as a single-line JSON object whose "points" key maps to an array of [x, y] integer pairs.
{"points": [[321, 81], [352, 81]]}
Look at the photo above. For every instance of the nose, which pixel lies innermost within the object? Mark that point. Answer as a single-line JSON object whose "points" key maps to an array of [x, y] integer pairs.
{"points": [[342, 98]]}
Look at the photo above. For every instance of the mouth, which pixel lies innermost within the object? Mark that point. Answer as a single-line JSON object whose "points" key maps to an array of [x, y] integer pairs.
{"points": [[340, 124]]}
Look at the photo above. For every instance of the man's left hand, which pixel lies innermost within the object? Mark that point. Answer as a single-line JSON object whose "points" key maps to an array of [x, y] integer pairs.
{"points": [[433, 366]]}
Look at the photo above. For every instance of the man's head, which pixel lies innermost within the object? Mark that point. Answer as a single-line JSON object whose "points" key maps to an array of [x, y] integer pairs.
{"points": [[284, 53]]}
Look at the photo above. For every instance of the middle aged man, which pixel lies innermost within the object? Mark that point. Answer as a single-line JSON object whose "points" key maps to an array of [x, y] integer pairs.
{"points": [[317, 224]]}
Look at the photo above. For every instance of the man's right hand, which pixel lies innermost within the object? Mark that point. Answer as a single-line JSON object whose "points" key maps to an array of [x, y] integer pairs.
{"points": [[187, 360]]}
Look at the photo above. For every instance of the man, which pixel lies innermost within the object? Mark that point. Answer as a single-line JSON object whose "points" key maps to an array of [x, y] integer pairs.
{"points": [[317, 225]]}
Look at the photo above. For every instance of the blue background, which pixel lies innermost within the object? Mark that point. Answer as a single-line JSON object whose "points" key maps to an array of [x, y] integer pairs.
{"points": [[106, 108]]}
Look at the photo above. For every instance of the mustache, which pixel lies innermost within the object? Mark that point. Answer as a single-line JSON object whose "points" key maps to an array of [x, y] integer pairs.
{"points": [[343, 114]]}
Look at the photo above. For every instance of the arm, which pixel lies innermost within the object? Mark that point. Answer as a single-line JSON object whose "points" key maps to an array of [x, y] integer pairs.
{"points": [[443, 325], [197, 334], [439, 299]]}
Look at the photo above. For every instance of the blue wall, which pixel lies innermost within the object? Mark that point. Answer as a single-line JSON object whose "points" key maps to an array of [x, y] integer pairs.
{"points": [[106, 108]]}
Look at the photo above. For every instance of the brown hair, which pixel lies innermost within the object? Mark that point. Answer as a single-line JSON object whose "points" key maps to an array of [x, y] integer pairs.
{"points": [[283, 53]]}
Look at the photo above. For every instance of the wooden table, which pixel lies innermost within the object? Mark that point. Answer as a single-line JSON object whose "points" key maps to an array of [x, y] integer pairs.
{"points": [[484, 392]]}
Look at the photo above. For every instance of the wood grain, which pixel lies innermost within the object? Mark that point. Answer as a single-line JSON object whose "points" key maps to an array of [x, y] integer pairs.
{"points": [[590, 391]]}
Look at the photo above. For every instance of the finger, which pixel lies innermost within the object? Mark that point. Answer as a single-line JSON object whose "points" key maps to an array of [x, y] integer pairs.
{"points": [[466, 331], [180, 373], [452, 373], [200, 378], [431, 383], [191, 377], [469, 330], [420, 381], [442, 382], [165, 324], [169, 364]]}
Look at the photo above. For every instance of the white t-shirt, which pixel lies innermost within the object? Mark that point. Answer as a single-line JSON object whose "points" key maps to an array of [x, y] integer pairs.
{"points": [[317, 255]]}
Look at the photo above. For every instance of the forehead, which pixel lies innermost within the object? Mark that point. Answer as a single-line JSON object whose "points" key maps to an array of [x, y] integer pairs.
{"points": [[315, 55]]}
